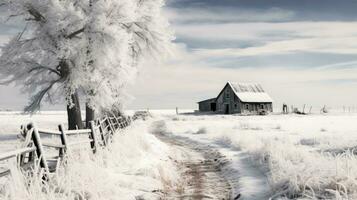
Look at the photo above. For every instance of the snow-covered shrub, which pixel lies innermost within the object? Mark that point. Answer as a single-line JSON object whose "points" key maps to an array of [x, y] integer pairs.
{"points": [[309, 141], [201, 130], [159, 127]]}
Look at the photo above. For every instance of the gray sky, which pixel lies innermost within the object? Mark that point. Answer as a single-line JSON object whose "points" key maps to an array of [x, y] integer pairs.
{"points": [[302, 52]]}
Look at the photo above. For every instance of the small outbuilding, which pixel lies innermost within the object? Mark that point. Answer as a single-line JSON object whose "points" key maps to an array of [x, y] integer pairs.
{"points": [[245, 98], [207, 105]]}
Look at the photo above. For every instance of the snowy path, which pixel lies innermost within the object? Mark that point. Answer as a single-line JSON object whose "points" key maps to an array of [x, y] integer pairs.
{"points": [[204, 171], [214, 170]]}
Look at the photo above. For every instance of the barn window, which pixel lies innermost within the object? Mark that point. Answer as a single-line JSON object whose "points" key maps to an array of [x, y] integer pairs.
{"points": [[235, 105], [227, 95], [262, 106], [247, 106]]}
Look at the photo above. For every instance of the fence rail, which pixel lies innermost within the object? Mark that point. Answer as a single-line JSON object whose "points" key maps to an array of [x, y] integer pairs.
{"points": [[15, 153], [99, 134]]}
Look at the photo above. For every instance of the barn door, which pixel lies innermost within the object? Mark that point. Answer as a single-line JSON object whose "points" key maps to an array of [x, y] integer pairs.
{"points": [[226, 110]]}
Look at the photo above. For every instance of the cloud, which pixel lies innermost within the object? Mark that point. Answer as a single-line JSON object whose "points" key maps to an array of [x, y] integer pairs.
{"points": [[4, 39], [321, 45], [271, 38], [339, 65], [227, 14], [266, 31]]}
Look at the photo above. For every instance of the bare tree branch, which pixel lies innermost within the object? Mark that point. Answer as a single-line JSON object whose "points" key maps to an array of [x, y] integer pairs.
{"points": [[75, 33], [44, 68], [37, 98], [21, 34], [12, 16], [36, 14]]}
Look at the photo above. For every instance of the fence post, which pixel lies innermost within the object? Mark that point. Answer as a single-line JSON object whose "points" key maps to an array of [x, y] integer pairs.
{"points": [[63, 140], [102, 132], [27, 133], [117, 122], [93, 143], [39, 150], [110, 125], [120, 120], [127, 121]]}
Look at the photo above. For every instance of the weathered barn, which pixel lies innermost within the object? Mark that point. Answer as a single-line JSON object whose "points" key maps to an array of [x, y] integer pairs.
{"points": [[245, 98]]}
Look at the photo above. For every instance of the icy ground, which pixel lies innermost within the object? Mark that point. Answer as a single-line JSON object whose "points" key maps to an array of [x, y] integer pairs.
{"points": [[250, 157], [280, 156]]}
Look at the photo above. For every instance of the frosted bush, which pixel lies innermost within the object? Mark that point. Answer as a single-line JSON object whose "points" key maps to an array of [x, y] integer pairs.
{"points": [[309, 142], [159, 127], [202, 130], [296, 171]]}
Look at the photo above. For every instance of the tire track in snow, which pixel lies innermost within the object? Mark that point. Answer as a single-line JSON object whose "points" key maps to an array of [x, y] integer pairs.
{"points": [[205, 171]]}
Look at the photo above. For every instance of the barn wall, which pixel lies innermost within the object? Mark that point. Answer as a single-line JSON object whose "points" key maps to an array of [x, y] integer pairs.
{"points": [[228, 96], [253, 108], [205, 106], [237, 105]]}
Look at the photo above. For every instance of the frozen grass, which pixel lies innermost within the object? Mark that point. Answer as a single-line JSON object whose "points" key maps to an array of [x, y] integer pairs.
{"points": [[303, 157], [135, 166]]}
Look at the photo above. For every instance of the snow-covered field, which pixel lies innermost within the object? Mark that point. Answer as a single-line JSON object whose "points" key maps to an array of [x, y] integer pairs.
{"points": [[296, 156]]}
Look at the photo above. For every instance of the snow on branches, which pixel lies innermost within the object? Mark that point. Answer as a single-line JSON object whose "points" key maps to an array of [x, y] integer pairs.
{"points": [[91, 46]]}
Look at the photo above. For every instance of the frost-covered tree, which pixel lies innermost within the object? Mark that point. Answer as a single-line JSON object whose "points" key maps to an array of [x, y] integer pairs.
{"points": [[90, 47]]}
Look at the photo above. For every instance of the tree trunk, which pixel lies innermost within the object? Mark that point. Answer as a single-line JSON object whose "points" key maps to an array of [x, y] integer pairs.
{"points": [[74, 113], [89, 114]]}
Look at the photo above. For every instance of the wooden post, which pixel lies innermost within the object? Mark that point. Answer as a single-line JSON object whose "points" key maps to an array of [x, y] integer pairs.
{"points": [[93, 143], [63, 140], [177, 111], [90, 114], [310, 109], [303, 109], [121, 125], [114, 123], [118, 123], [102, 132], [39, 151], [27, 133], [110, 125], [127, 121]]}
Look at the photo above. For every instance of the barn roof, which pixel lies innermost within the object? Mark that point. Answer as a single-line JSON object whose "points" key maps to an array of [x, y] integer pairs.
{"points": [[250, 92], [211, 99]]}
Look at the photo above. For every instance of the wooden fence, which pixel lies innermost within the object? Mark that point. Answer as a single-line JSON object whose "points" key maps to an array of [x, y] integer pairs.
{"points": [[98, 135]]}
